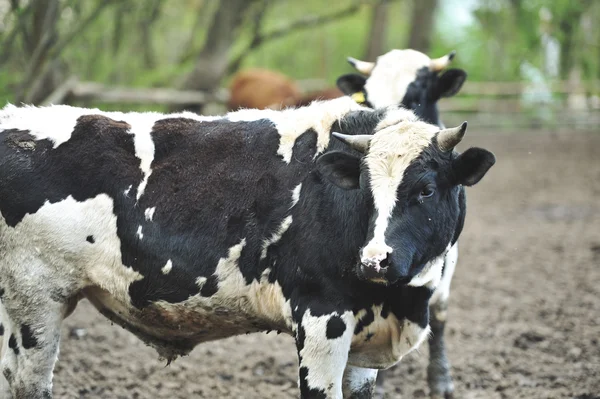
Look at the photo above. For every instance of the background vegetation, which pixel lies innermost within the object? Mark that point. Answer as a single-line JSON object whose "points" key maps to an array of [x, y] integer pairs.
{"points": [[199, 44]]}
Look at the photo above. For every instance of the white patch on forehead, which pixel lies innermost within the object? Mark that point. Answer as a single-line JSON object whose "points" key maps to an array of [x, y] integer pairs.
{"points": [[293, 122], [149, 213], [139, 233], [296, 195], [392, 74], [431, 274], [391, 151], [167, 267], [276, 236], [394, 115]]}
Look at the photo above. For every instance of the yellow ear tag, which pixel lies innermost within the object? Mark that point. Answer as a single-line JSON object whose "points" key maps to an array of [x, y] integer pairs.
{"points": [[359, 97]]}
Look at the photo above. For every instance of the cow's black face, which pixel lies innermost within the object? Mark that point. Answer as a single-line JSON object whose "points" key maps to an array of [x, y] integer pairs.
{"points": [[422, 224], [414, 182], [407, 78], [423, 93]]}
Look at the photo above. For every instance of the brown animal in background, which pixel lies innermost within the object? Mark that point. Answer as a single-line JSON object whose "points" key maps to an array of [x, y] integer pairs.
{"points": [[325, 94], [262, 88]]}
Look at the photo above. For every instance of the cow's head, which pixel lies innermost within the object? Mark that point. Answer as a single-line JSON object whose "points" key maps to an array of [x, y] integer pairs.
{"points": [[404, 77], [413, 176]]}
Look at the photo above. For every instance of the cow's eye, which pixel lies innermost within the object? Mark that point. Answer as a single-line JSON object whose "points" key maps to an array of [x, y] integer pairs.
{"points": [[426, 192]]}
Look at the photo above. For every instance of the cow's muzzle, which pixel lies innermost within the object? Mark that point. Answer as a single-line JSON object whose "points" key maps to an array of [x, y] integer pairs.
{"points": [[374, 264]]}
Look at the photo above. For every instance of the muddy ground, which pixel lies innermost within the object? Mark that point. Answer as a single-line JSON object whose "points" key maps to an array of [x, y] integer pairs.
{"points": [[524, 319]]}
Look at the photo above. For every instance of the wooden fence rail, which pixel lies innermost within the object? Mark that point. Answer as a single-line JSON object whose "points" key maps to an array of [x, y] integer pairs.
{"points": [[475, 97]]}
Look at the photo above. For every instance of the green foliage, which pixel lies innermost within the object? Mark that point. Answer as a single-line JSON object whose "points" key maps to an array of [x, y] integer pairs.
{"points": [[154, 43]]}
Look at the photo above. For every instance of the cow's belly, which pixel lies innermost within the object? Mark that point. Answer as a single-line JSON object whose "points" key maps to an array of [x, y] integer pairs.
{"points": [[385, 341], [174, 329]]}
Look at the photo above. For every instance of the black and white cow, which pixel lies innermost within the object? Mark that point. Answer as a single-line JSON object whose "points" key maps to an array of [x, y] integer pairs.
{"points": [[185, 229], [404, 77], [413, 80]]}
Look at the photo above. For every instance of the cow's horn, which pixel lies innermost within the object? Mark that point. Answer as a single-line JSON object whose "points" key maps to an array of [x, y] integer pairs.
{"points": [[363, 67], [449, 138], [360, 142], [438, 64]]}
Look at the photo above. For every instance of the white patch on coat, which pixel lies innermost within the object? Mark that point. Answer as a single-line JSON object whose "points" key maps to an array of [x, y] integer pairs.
{"points": [[59, 230], [356, 379], [235, 308], [291, 123], [385, 341], [296, 195], [431, 274], [391, 151], [57, 123], [442, 292], [324, 358], [127, 190], [167, 267], [276, 236], [139, 233], [392, 74], [149, 213]]}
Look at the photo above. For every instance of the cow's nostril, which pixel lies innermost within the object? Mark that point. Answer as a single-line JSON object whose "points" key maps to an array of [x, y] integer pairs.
{"points": [[386, 262]]}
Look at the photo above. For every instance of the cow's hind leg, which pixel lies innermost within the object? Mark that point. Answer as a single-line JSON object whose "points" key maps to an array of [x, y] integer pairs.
{"points": [[31, 317], [359, 383], [4, 388], [438, 372]]}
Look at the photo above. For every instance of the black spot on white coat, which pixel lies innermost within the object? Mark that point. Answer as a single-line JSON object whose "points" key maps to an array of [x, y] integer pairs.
{"points": [[12, 344], [335, 327], [28, 339]]}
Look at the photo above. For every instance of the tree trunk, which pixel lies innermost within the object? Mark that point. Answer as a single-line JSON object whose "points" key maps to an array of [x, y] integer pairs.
{"points": [[421, 29], [211, 63], [379, 22]]}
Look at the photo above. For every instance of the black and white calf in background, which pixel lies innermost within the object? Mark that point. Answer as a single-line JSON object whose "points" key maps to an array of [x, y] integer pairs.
{"points": [[185, 229], [407, 78], [413, 80]]}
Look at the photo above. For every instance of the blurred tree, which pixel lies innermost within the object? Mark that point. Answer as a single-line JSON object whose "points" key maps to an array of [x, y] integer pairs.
{"points": [[35, 25], [211, 63], [377, 31], [214, 60], [421, 29]]}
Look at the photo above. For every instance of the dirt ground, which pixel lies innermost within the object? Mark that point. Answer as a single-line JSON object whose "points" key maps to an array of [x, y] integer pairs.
{"points": [[524, 318]]}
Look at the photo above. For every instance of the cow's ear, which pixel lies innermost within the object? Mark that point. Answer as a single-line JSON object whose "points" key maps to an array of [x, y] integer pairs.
{"points": [[351, 83], [470, 166], [449, 83], [340, 168]]}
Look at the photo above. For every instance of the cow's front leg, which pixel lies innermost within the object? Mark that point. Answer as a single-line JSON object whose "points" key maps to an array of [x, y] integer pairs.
{"points": [[323, 342], [439, 377], [359, 383]]}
